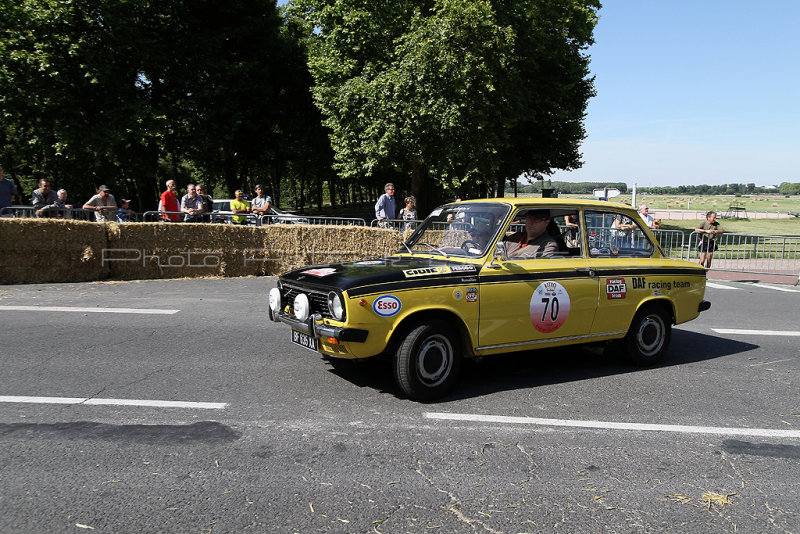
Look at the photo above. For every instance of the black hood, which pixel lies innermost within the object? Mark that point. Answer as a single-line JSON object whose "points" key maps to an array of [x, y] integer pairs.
{"points": [[366, 273]]}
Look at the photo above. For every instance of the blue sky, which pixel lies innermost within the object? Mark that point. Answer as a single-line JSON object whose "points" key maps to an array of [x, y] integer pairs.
{"points": [[694, 92], [691, 92]]}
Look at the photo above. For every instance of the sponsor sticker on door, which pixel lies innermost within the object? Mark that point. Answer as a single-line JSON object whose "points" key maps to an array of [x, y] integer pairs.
{"points": [[616, 288]]}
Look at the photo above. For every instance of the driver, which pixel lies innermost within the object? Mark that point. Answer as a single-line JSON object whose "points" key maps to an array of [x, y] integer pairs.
{"points": [[534, 241]]}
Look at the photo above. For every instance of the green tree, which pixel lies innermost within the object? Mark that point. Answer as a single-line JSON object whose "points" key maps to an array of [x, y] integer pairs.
{"points": [[458, 94]]}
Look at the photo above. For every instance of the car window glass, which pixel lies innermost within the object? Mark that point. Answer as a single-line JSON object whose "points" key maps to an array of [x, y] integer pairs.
{"points": [[613, 234], [563, 228]]}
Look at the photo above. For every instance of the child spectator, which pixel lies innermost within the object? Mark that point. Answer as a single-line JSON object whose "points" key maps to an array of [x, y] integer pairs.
{"points": [[125, 213]]}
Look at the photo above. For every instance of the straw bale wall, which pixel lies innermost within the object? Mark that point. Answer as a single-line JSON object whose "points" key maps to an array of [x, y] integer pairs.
{"points": [[50, 250], [35, 251]]}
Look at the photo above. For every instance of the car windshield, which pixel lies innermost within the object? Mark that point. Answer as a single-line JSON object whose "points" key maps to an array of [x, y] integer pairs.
{"points": [[458, 230]]}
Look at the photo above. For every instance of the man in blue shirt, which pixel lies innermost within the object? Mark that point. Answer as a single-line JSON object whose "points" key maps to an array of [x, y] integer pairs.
{"points": [[8, 192], [386, 208]]}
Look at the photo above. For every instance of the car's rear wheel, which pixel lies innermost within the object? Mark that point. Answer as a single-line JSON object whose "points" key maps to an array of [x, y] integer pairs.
{"points": [[428, 361], [649, 335]]}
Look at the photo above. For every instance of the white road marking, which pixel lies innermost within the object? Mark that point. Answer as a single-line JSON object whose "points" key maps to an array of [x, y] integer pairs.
{"points": [[787, 333], [148, 311], [721, 286], [611, 425], [115, 402], [776, 288]]}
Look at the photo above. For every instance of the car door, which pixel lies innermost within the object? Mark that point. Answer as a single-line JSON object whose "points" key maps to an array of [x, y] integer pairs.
{"points": [[535, 301], [621, 260]]}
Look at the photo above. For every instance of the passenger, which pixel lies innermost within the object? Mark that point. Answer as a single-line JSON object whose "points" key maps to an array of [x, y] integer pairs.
{"points": [[385, 208], [710, 229], [409, 213], [169, 203], [534, 241], [481, 234], [262, 204], [239, 205], [191, 205], [65, 204], [102, 204], [45, 200]]}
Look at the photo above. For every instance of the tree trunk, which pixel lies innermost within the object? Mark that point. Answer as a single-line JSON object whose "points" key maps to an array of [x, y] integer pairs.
{"points": [[418, 189]]}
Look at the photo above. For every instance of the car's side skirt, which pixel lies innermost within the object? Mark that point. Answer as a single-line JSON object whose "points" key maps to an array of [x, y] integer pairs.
{"points": [[566, 340]]}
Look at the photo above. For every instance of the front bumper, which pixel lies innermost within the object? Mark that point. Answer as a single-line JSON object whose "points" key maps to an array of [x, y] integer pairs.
{"points": [[312, 328]]}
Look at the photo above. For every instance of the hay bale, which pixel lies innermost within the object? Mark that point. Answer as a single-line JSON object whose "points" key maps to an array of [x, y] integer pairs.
{"points": [[51, 250]]}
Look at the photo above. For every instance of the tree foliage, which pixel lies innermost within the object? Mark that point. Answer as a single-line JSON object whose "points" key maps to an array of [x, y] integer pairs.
{"points": [[130, 93], [459, 94]]}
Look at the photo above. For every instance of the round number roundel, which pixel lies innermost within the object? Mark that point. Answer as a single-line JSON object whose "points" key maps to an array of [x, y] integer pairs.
{"points": [[387, 305], [549, 306]]}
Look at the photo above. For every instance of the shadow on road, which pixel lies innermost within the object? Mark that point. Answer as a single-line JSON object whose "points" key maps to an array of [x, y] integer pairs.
{"points": [[522, 370]]}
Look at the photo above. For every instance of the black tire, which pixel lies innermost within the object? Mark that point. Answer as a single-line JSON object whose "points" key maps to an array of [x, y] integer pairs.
{"points": [[428, 361], [648, 338]]}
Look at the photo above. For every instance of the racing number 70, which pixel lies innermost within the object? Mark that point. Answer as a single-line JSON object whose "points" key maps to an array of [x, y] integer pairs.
{"points": [[553, 305]]}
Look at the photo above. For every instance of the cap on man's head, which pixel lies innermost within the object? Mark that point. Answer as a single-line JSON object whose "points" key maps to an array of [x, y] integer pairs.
{"points": [[539, 214], [124, 200], [103, 188]]}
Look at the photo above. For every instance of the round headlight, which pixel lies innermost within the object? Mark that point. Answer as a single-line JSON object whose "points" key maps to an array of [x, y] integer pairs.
{"points": [[275, 302], [335, 306], [302, 309]]}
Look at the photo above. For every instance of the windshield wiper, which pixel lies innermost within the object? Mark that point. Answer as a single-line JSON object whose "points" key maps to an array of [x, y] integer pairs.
{"points": [[440, 251], [408, 249]]}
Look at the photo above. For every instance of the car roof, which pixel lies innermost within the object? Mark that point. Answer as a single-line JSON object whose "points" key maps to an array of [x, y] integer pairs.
{"points": [[518, 201]]}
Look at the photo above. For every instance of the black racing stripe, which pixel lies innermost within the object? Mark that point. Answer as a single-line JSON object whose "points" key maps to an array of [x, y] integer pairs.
{"points": [[449, 280], [413, 284], [640, 271]]}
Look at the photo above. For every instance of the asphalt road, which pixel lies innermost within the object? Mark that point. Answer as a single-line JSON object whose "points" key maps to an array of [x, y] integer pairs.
{"points": [[292, 444]]}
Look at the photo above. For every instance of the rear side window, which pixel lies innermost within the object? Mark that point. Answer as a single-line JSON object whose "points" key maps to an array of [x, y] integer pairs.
{"points": [[615, 234]]}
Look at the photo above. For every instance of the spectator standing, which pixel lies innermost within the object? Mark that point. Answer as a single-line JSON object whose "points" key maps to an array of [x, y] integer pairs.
{"points": [[8, 191], [125, 213], [239, 205], [65, 204], [192, 205], [644, 211], [386, 208], [409, 213], [261, 204], [102, 204], [208, 202], [709, 230], [169, 202], [44, 200]]}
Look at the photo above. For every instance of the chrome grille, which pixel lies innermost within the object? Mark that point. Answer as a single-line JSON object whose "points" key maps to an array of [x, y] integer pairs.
{"points": [[317, 299]]}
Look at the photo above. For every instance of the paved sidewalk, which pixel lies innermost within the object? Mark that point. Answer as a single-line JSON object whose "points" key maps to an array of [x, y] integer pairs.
{"points": [[733, 276]]}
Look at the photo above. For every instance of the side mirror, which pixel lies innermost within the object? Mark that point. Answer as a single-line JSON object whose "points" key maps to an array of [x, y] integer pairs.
{"points": [[499, 252]]}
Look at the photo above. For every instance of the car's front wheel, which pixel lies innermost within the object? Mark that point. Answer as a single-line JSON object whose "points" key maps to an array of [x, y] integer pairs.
{"points": [[649, 335], [428, 361]]}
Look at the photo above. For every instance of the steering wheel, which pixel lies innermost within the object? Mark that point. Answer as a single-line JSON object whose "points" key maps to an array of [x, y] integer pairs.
{"points": [[470, 242]]}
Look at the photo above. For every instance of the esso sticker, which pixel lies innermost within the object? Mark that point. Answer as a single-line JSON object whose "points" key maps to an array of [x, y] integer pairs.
{"points": [[386, 305], [549, 307]]}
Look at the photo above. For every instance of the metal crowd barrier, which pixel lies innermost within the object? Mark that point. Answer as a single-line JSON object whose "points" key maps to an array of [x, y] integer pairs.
{"points": [[78, 214], [287, 218], [402, 225], [761, 254]]}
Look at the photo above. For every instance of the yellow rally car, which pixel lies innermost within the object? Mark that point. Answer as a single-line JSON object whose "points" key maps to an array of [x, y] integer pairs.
{"points": [[490, 276]]}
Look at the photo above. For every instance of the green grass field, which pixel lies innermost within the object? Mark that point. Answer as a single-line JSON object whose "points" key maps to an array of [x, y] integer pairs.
{"points": [[720, 204]]}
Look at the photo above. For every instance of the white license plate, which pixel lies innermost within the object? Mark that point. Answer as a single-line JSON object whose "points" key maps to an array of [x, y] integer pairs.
{"points": [[304, 340]]}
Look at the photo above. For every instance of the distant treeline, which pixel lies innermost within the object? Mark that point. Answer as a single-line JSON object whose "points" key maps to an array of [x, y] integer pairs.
{"points": [[572, 188], [580, 188]]}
